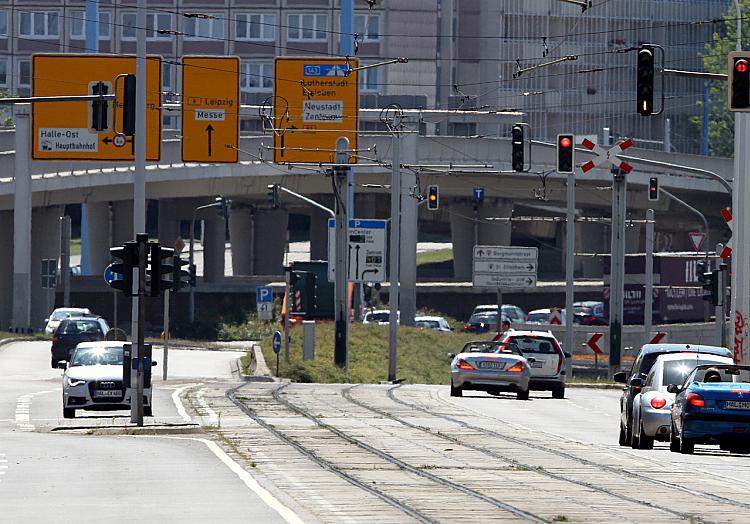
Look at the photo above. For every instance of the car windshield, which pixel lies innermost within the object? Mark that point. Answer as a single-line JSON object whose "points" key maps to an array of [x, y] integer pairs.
{"points": [[59, 315], [725, 373], [76, 327], [104, 356], [484, 318], [675, 371], [527, 344], [378, 317], [489, 347], [538, 317], [432, 324], [585, 310]]}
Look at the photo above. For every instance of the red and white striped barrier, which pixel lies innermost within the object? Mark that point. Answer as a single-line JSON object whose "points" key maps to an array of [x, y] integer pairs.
{"points": [[727, 251]]}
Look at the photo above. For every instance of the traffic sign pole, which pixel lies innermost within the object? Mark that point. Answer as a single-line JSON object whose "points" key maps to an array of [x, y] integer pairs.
{"points": [[617, 271], [648, 294], [341, 270], [22, 222], [394, 258], [570, 231]]}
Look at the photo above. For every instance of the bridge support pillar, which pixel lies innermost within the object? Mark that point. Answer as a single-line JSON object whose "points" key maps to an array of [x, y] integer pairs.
{"points": [[270, 241], [6, 268], [591, 238], [45, 243], [97, 228], [169, 222], [241, 236], [214, 248], [319, 234], [122, 222], [469, 227]]}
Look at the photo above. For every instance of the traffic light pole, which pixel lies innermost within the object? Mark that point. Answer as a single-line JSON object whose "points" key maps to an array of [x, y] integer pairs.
{"points": [[394, 256], [617, 269], [570, 233], [139, 285], [341, 269], [648, 293]]}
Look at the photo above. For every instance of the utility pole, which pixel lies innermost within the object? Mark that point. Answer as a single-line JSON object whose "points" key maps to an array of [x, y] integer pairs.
{"points": [[346, 49], [394, 258], [648, 288], [22, 222], [139, 288], [617, 268], [341, 269], [408, 231], [721, 294], [570, 232], [65, 259]]}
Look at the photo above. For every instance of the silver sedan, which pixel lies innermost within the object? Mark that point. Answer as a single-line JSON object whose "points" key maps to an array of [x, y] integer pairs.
{"points": [[489, 366]]}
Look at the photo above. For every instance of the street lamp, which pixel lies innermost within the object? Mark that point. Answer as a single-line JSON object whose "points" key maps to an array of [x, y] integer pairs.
{"points": [[223, 205]]}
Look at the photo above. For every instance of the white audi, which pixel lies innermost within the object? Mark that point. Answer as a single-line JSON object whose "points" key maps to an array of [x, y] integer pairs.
{"points": [[93, 379]]}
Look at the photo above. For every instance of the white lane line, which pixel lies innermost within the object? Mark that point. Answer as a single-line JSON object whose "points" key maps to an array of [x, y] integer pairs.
{"points": [[23, 410], [213, 418], [178, 403], [269, 499]]}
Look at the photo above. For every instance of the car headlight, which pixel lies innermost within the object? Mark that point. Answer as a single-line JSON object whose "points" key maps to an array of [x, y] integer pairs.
{"points": [[72, 382]]}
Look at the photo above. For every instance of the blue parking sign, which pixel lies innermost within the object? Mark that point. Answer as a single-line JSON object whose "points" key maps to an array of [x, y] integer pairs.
{"points": [[263, 294]]}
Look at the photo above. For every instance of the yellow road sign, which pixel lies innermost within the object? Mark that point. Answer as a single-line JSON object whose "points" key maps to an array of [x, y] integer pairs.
{"points": [[210, 108], [316, 102], [72, 130]]}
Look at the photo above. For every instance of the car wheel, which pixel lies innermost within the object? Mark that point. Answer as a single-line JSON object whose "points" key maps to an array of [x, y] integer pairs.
{"points": [[634, 440], [456, 392], [674, 441], [54, 364], [644, 441], [622, 441], [558, 392], [523, 395], [69, 413], [148, 411], [686, 446], [628, 432]]}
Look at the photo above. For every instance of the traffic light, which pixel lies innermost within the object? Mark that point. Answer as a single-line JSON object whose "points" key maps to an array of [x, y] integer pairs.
{"points": [[224, 205], [433, 198], [273, 195], [303, 290], [645, 81], [99, 109], [710, 283], [517, 145], [566, 153], [180, 277], [739, 81], [653, 189], [126, 259], [128, 106], [156, 268]]}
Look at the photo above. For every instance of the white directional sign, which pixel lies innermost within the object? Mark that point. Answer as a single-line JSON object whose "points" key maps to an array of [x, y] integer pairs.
{"points": [[504, 267], [366, 251]]}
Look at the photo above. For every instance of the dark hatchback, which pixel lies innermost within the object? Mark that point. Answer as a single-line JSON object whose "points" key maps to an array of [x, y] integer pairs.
{"points": [[73, 331]]}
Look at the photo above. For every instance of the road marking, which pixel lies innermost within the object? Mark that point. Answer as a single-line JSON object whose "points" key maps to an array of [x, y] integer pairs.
{"points": [[266, 496], [178, 403], [213, 418], [23, 410]]}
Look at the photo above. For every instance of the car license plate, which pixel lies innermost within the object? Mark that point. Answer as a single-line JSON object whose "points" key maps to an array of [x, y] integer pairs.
{"points": [[492, 365], [538, 364], [736, 404], [108, 393]]}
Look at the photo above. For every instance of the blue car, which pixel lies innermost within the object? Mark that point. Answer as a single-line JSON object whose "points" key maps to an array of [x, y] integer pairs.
{"points": [[712, 406]]}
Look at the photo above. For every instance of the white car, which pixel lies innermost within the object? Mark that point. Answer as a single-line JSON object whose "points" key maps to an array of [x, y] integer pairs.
{"points": [[548, 368], [379, 316], [61, 314], [542, 316], [435, 323], [93, 379], [514, 313]]}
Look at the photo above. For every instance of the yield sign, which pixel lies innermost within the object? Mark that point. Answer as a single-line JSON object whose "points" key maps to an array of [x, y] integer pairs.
{"points": [[604, 158], [593, 342], [697, 239]]}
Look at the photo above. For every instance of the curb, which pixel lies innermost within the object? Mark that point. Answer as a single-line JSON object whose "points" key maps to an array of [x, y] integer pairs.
{"points": [[11, 340], [258, 366], [594, 385]]}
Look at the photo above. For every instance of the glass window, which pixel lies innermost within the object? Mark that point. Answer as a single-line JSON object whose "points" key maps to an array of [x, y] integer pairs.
{"points": [[368, 81], [675, 371], [197, 28], [256, 76], [367, 27], [102, 356], [255, 27], [4, 73], [307, 27], [166, 76], [78, 24], [24, 73], [154, 23], [39, 23], [543, 345], [3, 23]]}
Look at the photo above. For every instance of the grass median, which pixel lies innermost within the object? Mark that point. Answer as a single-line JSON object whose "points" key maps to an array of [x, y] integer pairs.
{"points": [[422, 355]]}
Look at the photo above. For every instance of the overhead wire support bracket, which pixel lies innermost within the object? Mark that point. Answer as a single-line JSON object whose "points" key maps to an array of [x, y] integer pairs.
{"points": [[521, 70], [398, 60], [696, 74], [584, 4]]}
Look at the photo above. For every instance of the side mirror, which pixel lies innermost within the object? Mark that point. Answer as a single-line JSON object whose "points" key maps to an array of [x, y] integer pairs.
{"points": [[63, 364], [451, 356], [674, 388], [154, 363], [46, 320], [530, 360], [636, 382], [567, 354], [620, 377]]}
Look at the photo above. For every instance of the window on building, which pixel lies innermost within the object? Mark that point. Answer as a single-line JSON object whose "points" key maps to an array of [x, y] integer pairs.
{"points": [[307, 27], [154, 23], [255, 27], [198, 28], [3, 73], [3, 23], [78, 24], [39, 23], [24, 73], [256, 76], [367, 27], [166, 76], [368, 79]]}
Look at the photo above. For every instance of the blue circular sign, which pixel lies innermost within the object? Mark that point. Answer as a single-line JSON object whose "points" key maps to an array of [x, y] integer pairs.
{"points": [[111, 276], [277, 342]]}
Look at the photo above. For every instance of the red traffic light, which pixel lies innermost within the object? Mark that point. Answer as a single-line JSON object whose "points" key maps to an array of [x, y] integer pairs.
{"points": [[565, 142], [741, 66]]}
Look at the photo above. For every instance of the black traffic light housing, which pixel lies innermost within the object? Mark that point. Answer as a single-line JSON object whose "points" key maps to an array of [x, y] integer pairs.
{"points": [[304, 283], [566, 153], [273, 196], [645, 81], [517, 147], [126, 259], [710, 283], [180, 277], [653, 189], [100, 117], [156, 267], [433, 197], [738, 89], [128, 106]]}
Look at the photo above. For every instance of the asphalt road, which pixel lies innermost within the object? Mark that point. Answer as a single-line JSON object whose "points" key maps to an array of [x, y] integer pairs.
{"points": [[52, 473]]}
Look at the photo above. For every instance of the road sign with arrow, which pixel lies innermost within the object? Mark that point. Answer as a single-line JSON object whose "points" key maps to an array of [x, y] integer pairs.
{"points": [[210, 109], [504, 267], [367, 256]]}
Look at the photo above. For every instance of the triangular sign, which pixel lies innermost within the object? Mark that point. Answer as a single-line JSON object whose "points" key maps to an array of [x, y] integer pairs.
{"points": [[697, 239]]}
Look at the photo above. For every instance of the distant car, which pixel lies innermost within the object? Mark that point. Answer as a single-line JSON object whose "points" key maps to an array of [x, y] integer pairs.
{"points": [[543, 316], [651, 407], [434, 323], [489, 366], [589, 313], [642, 365], [62, 313], [513, 313], [482, 322], [712, 406], [548, 367], [93, 379], [378, 316], [73, 331]]}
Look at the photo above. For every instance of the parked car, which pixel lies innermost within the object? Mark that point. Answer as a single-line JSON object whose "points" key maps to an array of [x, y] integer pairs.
{"points": [[93, 379], [651, 407], [642, 365], [73, 331], [434, 323], [482, 322], [712, 406], [492, 367], [543, 316], [62, 313], [378, 316], [589, 313], [548, 367], [513, 313]]}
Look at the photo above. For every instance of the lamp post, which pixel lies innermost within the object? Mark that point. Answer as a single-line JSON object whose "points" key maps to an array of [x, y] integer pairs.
{"points": [[221, 203]]}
